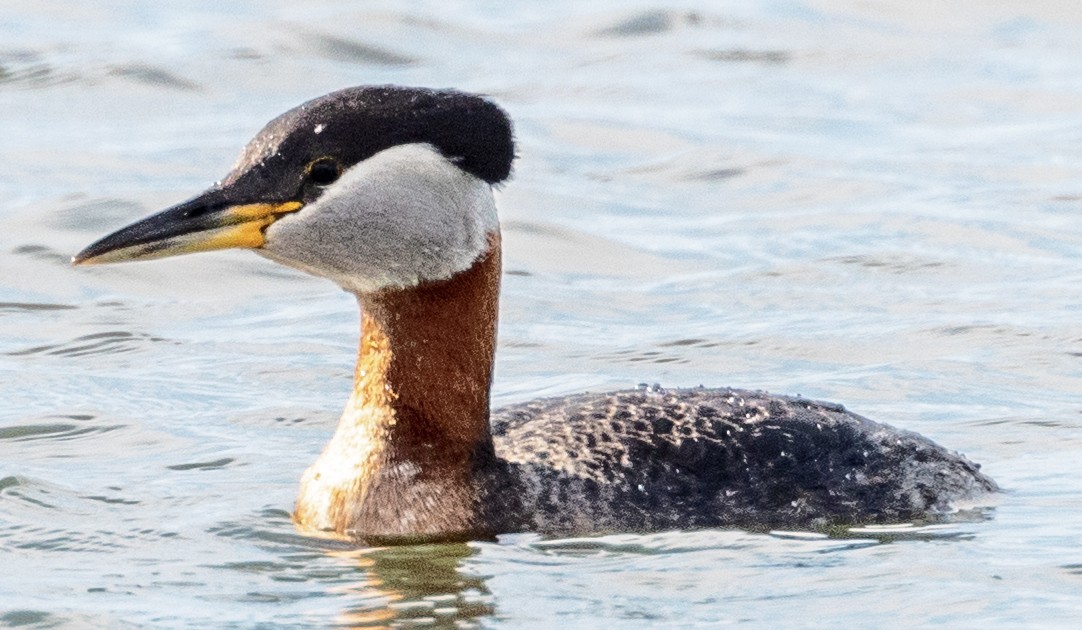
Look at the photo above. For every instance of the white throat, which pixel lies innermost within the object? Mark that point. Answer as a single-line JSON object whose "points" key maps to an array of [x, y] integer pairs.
{"points": [[403, 216]]}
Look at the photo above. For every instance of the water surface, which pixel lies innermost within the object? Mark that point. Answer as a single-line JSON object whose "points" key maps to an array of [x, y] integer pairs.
{"points": [[876, 204]]}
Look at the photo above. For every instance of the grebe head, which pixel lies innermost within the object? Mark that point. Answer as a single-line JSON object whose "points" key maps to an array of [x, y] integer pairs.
{"points": [[372, 187]]}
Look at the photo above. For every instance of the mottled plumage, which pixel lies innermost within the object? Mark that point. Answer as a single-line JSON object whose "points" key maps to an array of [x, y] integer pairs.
{"points": [[653, 459]]}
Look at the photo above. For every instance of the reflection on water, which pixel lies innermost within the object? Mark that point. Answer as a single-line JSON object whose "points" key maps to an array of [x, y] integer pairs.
{"points": [[873, 203], [444, 585], [415, 586]]}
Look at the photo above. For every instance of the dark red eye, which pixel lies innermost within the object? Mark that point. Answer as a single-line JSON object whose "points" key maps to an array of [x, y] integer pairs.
{"points": [[323, 171]]}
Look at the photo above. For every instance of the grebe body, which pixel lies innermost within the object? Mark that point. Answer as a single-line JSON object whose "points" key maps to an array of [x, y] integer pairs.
{"points": [[387, 191]]}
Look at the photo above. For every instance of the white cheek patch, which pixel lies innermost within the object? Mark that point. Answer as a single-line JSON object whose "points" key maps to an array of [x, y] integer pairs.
{"points": [[403, 216]]}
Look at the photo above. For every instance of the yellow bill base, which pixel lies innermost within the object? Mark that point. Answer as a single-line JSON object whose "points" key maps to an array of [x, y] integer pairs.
{"points": [[238, 227]]}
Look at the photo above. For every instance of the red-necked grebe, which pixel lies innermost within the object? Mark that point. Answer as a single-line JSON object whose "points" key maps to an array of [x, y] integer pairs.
{"points": [[387, 191]]}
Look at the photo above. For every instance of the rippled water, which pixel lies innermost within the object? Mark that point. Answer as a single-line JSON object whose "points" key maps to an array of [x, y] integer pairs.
{"points": [[872, 203]]}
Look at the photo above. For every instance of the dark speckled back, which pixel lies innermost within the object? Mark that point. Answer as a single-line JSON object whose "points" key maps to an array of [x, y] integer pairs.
{"points": [[652, 459]]}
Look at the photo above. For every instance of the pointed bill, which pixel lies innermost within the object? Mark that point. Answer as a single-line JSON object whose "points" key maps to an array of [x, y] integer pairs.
{"points": [[204, 223]]}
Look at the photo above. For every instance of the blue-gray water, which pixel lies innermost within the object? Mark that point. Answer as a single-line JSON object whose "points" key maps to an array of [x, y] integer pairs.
{"points": [[872, 203]]}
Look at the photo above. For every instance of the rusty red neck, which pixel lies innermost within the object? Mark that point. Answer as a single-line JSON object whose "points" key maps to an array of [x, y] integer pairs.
{"points": [[426, 353]]}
